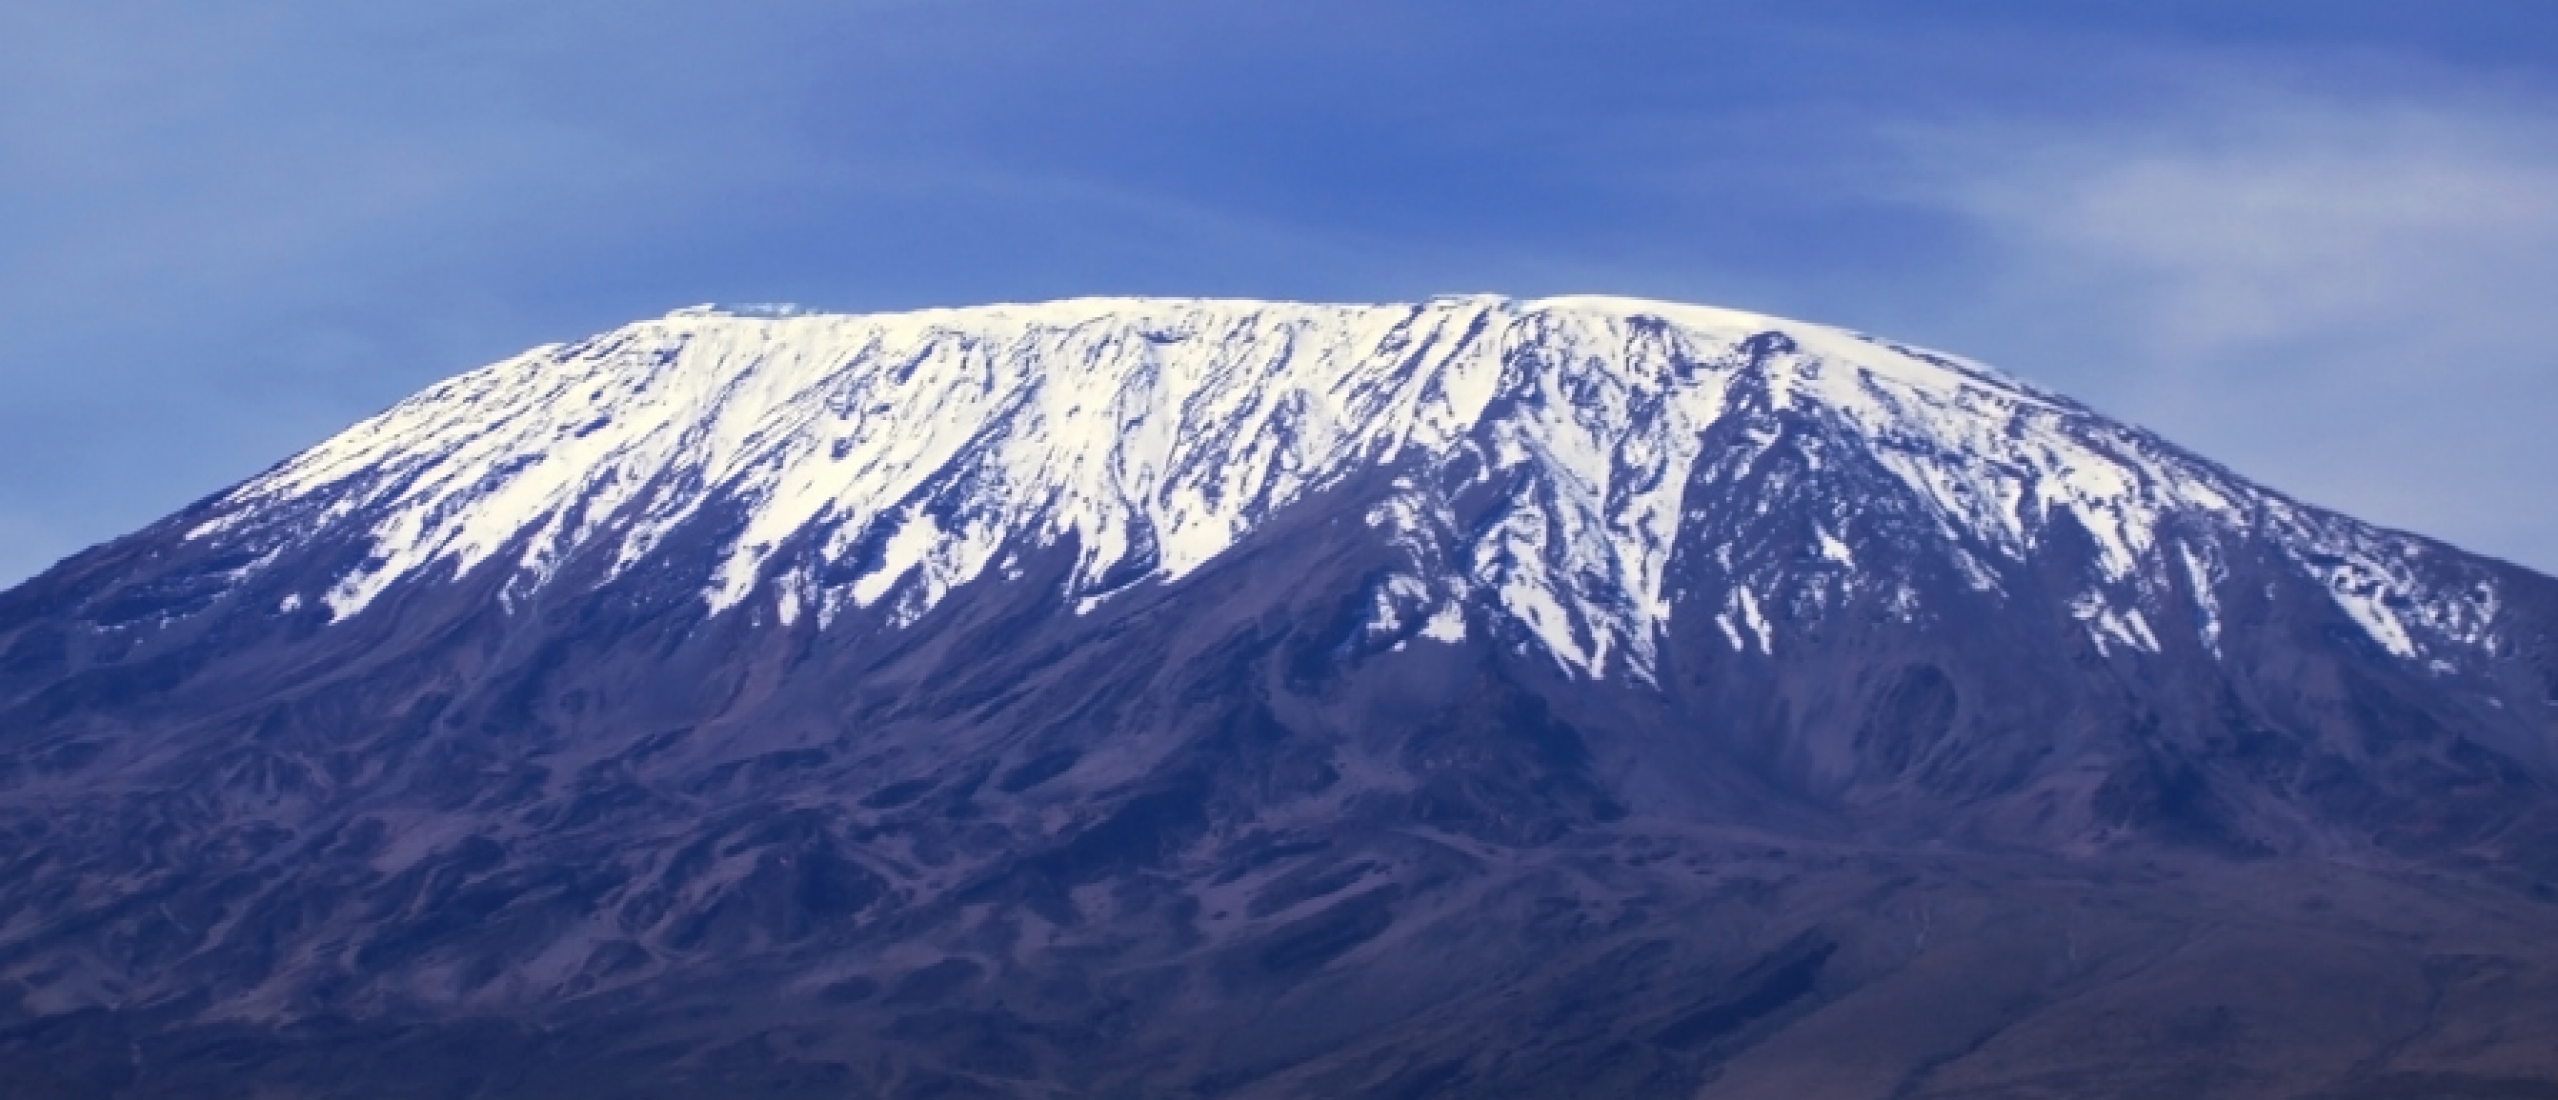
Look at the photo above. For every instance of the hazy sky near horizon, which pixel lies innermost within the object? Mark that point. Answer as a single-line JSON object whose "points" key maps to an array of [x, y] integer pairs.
{"points": [[2314, 239]]}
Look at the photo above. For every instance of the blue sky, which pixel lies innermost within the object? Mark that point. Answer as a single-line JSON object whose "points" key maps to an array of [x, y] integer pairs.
{"points": [[2315, 240]]}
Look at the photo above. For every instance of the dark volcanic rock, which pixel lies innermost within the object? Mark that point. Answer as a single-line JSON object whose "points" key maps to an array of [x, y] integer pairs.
{"points": [[1747, 749]]}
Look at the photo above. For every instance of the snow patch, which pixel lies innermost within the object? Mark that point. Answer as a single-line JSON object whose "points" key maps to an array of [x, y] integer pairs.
{"points": [[883, 461], [1447, 624]]}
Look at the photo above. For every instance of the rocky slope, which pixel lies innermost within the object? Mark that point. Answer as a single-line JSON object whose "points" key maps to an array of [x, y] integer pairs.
{"points": [[1147, 698]]}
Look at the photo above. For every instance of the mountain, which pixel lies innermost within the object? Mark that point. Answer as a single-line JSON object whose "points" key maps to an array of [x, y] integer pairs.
{"points": [[1575, 697]]}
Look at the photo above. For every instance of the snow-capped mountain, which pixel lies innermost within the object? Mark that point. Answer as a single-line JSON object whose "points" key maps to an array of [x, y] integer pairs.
{"points": [[886, 460], [1569, 697]]}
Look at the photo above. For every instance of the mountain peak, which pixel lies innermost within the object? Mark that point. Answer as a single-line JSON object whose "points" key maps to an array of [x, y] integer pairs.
{"points": [[855, 462], [1050, 693], [762, 310]]}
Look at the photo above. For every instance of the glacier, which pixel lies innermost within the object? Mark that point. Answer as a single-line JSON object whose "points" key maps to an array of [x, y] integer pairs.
{"points": [[881, 461]]}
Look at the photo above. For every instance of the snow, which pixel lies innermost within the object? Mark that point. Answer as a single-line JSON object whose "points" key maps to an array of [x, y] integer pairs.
{"points": [[1747, 603], [2201, 580], [2110, 625], [916, 539], [1447, 624], [918, 451], [1833, 549]]}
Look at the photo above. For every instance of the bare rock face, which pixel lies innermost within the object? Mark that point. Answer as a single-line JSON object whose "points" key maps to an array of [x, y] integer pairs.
{"points": [[1168, 698]]}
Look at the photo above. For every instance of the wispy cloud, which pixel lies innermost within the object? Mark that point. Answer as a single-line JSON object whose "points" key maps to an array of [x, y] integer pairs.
{"points": [[227, 230], [2347, 295], [2267, 222]]}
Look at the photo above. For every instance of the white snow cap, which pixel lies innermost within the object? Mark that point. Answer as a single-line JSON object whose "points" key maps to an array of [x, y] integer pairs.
{"points": [[885, 459]]}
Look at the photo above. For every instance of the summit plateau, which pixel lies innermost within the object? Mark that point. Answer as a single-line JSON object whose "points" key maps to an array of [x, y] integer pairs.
{"points": [[1131, 697]]}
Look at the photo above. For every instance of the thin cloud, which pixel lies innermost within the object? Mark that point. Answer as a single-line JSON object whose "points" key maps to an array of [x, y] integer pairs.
{"points": [[232, 229], [2349, 298], [2280, 222]]}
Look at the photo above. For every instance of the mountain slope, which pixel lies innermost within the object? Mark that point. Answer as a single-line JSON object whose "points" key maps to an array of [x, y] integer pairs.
{"points": [[903, 452], [1261, 699]]}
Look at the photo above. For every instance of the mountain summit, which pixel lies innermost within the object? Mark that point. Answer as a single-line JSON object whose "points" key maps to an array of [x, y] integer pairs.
{"points": [[1224, 698], [844, 463]]}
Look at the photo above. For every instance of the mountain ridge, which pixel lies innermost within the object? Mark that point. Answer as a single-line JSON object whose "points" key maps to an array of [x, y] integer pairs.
{"points": [[1632, 707], [1310, 392]]}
